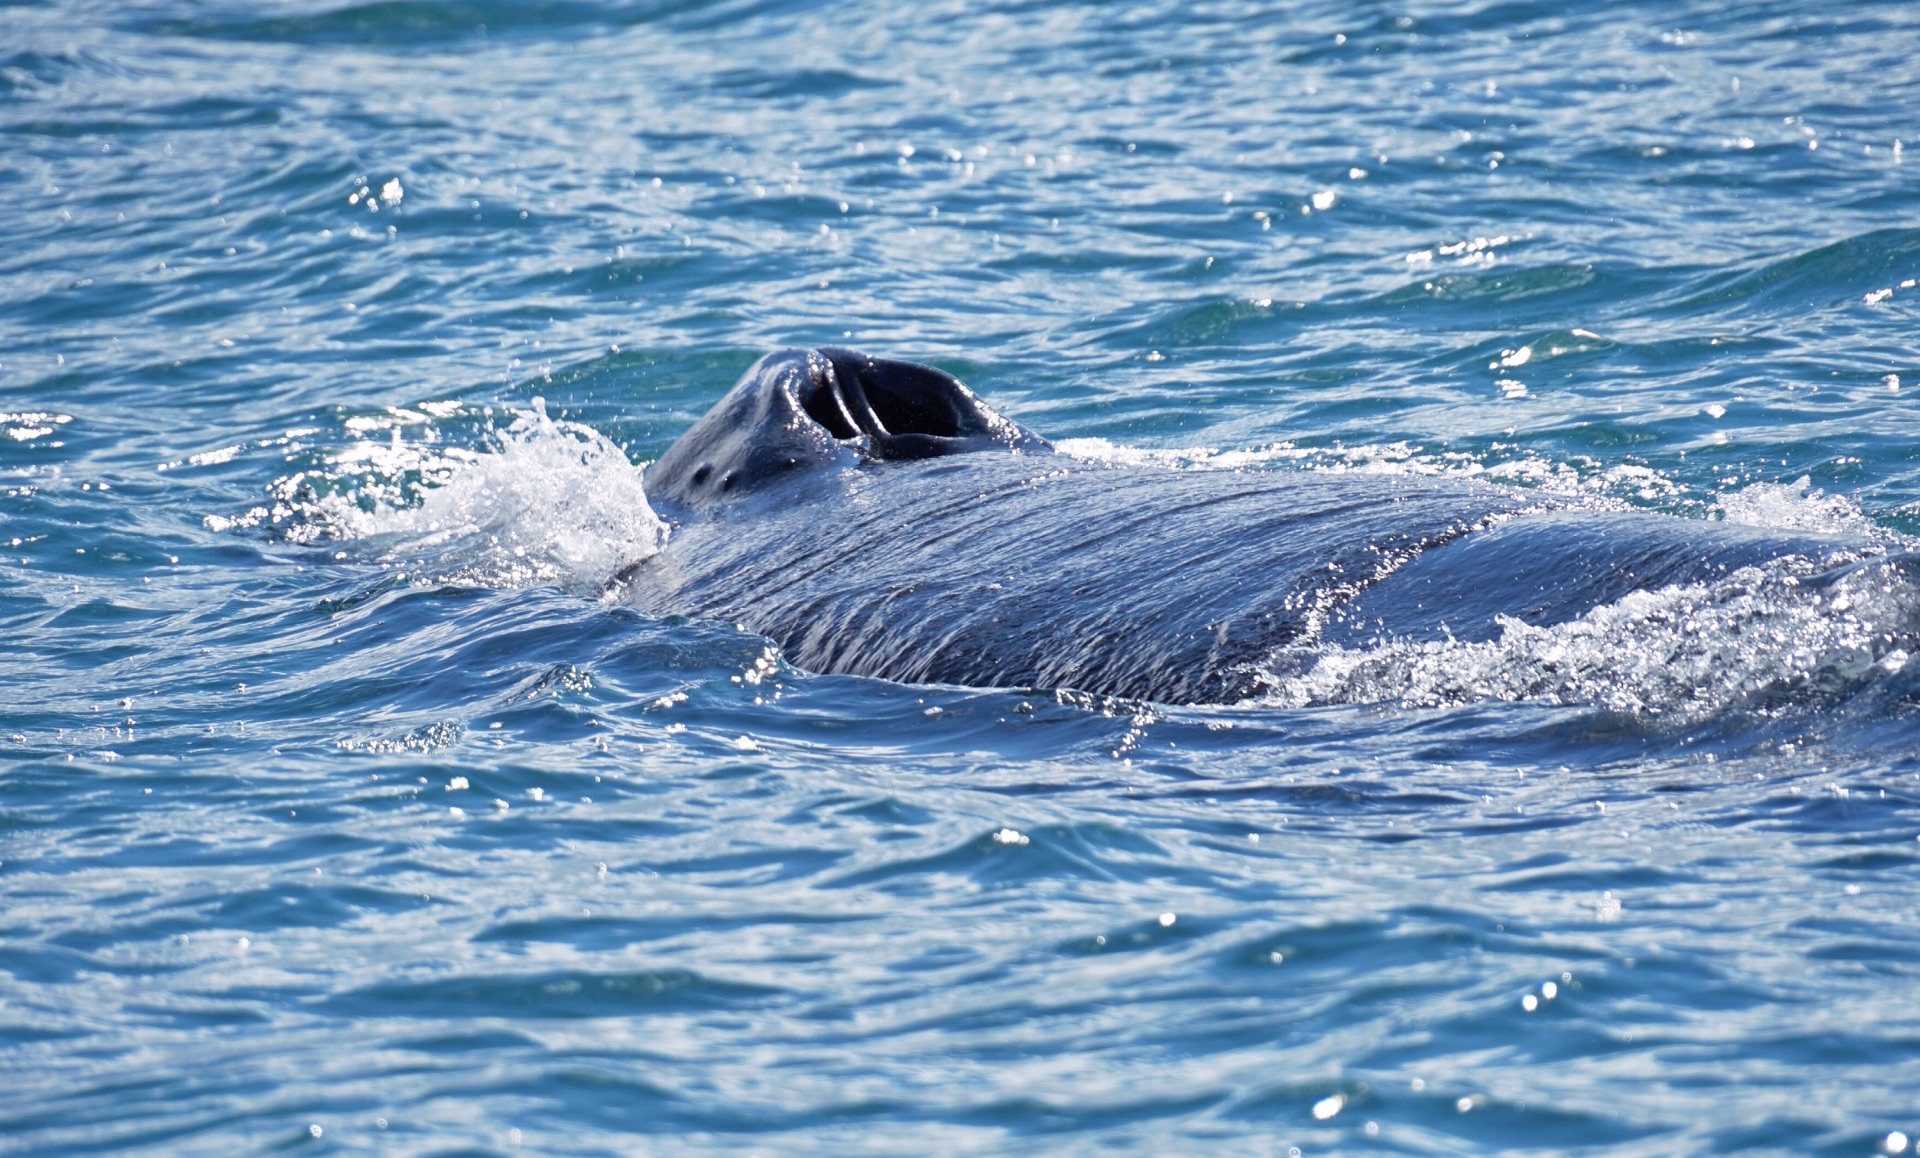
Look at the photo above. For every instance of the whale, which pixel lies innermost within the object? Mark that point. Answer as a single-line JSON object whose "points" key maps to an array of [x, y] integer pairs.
{"points": [[876, 517]]}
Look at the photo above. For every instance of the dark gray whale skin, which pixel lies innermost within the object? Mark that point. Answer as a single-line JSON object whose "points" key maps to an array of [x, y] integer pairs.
{"points": [[876, 518]]}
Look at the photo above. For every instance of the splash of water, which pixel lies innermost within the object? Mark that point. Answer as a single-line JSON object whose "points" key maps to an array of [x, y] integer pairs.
{"points": [[1760, 638], [551, 503], [1796, 507]]}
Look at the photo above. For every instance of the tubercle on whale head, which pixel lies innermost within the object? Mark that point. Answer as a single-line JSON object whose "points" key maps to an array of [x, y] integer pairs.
{"points": [[800, 409]]}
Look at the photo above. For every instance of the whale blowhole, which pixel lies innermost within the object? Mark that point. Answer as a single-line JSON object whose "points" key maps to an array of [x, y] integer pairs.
{"points": [[796, 410]]}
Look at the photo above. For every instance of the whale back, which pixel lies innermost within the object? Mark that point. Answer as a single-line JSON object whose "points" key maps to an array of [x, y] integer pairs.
{"points": [[798, 410], [1011, 570]]}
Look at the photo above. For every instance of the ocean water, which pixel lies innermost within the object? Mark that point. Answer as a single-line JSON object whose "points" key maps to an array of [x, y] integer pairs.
{"points": [[340, 811]]}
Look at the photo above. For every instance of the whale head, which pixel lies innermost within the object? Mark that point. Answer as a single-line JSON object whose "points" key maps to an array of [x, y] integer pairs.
{"points": [[798, 410]]}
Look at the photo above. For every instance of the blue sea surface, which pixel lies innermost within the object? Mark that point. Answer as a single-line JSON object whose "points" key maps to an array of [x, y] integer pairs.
{"points": [[341, 811]]}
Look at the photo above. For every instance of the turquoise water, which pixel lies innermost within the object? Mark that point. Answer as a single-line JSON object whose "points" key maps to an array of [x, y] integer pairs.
{"points": [[340, 812]]}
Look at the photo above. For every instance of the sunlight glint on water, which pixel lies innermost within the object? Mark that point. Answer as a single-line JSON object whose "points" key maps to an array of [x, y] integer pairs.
{"points": [[340, 811]]}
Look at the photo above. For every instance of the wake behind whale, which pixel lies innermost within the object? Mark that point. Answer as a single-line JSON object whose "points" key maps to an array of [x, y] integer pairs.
{"points": [[876, 518]]}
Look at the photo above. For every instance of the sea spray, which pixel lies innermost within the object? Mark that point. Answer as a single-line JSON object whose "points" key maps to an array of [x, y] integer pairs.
{"points": [[550, 502], [1757, 640]]}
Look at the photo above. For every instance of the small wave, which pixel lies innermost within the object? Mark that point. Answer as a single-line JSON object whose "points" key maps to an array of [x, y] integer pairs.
{"points": [[1505, 286], [400, 24], [551, 503], [1844, 271], [1759, 639]]}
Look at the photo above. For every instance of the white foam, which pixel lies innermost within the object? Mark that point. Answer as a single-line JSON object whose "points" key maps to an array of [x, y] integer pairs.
{"points": [[1681, 654], [549, 503], [1585, 478], [1795, 507], [1393, 458]]}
